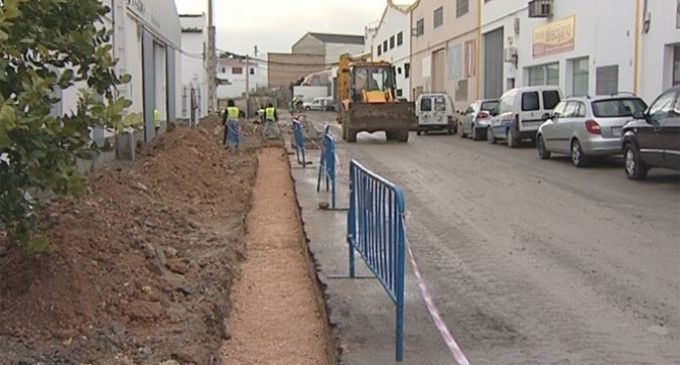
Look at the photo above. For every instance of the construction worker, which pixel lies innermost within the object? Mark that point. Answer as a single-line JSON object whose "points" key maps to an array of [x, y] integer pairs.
{"points": [[271, 119], [261, 114], [157, 119], [230, 120]]}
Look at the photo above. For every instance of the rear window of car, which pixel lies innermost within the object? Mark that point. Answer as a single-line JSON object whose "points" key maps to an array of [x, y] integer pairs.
{"points": [[489, 105], [615, 108], [439, 104], [425, 105], [530, 101], [550, 99]]}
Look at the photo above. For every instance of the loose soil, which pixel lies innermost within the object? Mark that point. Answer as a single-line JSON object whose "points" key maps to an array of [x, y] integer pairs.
{"points": [[140, 267], [276, 317]]}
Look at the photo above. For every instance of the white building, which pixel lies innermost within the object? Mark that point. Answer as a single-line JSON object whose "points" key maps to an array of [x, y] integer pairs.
{"points": [[568, 43], [237, 71], [392, 42], [147, 41], [194, 92], [660, 47], [331, 46]]}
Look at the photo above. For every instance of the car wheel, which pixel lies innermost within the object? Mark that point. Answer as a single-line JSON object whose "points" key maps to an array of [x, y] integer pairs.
{"points": [[635, 168], [419, 132], [577, 156], [490, 137], [307, 108], [540, 146], [473, 133]]}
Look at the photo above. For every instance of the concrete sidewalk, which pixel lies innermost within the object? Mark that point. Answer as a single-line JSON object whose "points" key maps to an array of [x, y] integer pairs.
{"points": [[360, 308]]}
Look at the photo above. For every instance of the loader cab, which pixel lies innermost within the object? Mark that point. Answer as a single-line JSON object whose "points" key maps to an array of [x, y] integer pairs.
{"points": [[372, 84]]}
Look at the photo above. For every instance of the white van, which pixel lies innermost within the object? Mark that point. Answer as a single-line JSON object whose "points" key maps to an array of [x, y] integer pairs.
{"points": [[435, 113], [520, 112]]}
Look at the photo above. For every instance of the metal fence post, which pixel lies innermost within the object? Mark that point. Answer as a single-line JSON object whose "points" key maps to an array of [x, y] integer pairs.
{"points": [[351, 218]]}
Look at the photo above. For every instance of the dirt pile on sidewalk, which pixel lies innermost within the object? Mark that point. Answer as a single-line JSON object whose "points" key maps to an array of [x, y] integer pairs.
{"points": [[140, 267]]}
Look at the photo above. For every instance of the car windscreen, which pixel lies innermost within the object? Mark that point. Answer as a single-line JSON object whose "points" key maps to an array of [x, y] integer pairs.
{"points": [[615, 108], [489, 105]]}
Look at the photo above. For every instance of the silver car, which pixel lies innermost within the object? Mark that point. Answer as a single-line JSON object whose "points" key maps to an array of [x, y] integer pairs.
{"points": [[583, 127], [476, 119]]}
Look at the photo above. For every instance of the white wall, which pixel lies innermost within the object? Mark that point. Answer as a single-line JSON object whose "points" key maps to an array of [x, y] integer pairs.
{"points": [[655, 52], [193, 71], [604, 42], [238, 82], [394, 22], [334, 50]]}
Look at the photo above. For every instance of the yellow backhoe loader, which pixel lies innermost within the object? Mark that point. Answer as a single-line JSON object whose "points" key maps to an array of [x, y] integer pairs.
{"points": [[365, 90]]}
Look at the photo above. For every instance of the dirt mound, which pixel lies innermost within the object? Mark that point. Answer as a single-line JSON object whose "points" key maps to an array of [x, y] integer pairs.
{"points": [[140, 267]]}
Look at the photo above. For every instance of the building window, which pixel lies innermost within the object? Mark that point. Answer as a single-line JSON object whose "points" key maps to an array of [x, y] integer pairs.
{"points": [[385, 46], [579, 80], [544, 74], [252, 71], [379, 50], [607, 80], [400, 93], [462, 7], [391, 42], [439, 16], [420, 27], [407, 70], [400, 39], [676, 65], [237, 71], [224, 70]]}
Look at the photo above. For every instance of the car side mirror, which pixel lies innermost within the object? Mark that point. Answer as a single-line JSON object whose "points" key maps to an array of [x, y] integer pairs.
{"points": [[545, 117]]}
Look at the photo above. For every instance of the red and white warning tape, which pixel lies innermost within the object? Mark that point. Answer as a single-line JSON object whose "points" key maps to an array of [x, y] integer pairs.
{"points": [[434, 312]]}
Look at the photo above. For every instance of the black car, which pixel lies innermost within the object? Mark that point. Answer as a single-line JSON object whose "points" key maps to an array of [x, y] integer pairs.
{"points": [[653, 138]]}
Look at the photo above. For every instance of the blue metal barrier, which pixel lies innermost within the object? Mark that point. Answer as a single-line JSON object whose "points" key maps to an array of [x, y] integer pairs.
{"points": [[327, 164], [299, 143], [375, 229]]}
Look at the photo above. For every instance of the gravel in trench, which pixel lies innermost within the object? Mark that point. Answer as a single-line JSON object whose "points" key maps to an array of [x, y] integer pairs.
{"points": [[275, 317]]}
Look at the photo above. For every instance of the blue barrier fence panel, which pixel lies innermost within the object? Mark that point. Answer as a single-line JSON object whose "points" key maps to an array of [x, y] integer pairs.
{"points": [[375, 229], [299, 143]]}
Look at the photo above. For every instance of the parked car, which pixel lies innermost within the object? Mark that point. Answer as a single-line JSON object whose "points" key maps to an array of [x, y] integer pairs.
{"points": [[330, 105], [316, 104], [584, 127], [476, 119], [520, 112], [652, 139], [435, 113]]}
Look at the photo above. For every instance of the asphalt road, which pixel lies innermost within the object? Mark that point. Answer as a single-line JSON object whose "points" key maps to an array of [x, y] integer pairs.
{"points": [[538, 262]]}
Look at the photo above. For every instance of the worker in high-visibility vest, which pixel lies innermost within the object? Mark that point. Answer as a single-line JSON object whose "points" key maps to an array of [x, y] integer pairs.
{"points": [[260, 114], [230, 120], [271, 119], [157, 119]]}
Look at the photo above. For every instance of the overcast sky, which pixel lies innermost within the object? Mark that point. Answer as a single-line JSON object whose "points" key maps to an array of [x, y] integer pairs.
{"points": [[274, 25]]}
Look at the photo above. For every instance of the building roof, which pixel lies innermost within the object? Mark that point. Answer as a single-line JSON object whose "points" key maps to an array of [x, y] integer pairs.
{"points": [[338, 38]]}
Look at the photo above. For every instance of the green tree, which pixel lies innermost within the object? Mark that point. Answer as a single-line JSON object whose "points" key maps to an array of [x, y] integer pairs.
{"points": [[44, 45]]}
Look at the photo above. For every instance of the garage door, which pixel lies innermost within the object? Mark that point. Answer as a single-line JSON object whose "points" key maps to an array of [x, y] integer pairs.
{"points": [[493, 64], [438, 71]]}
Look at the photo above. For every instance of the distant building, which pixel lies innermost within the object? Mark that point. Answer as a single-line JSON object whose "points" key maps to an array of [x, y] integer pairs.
{"points": [[194, 96], [391, 41], [284, 69], [330, 46], [234, 70]]}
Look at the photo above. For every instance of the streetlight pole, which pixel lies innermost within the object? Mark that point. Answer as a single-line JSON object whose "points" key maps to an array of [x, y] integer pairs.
{"points": [[212, 63]]}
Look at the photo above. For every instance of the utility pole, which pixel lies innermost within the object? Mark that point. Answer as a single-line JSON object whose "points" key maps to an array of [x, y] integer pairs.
{"points": [[247, 86], [211, 62]]}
